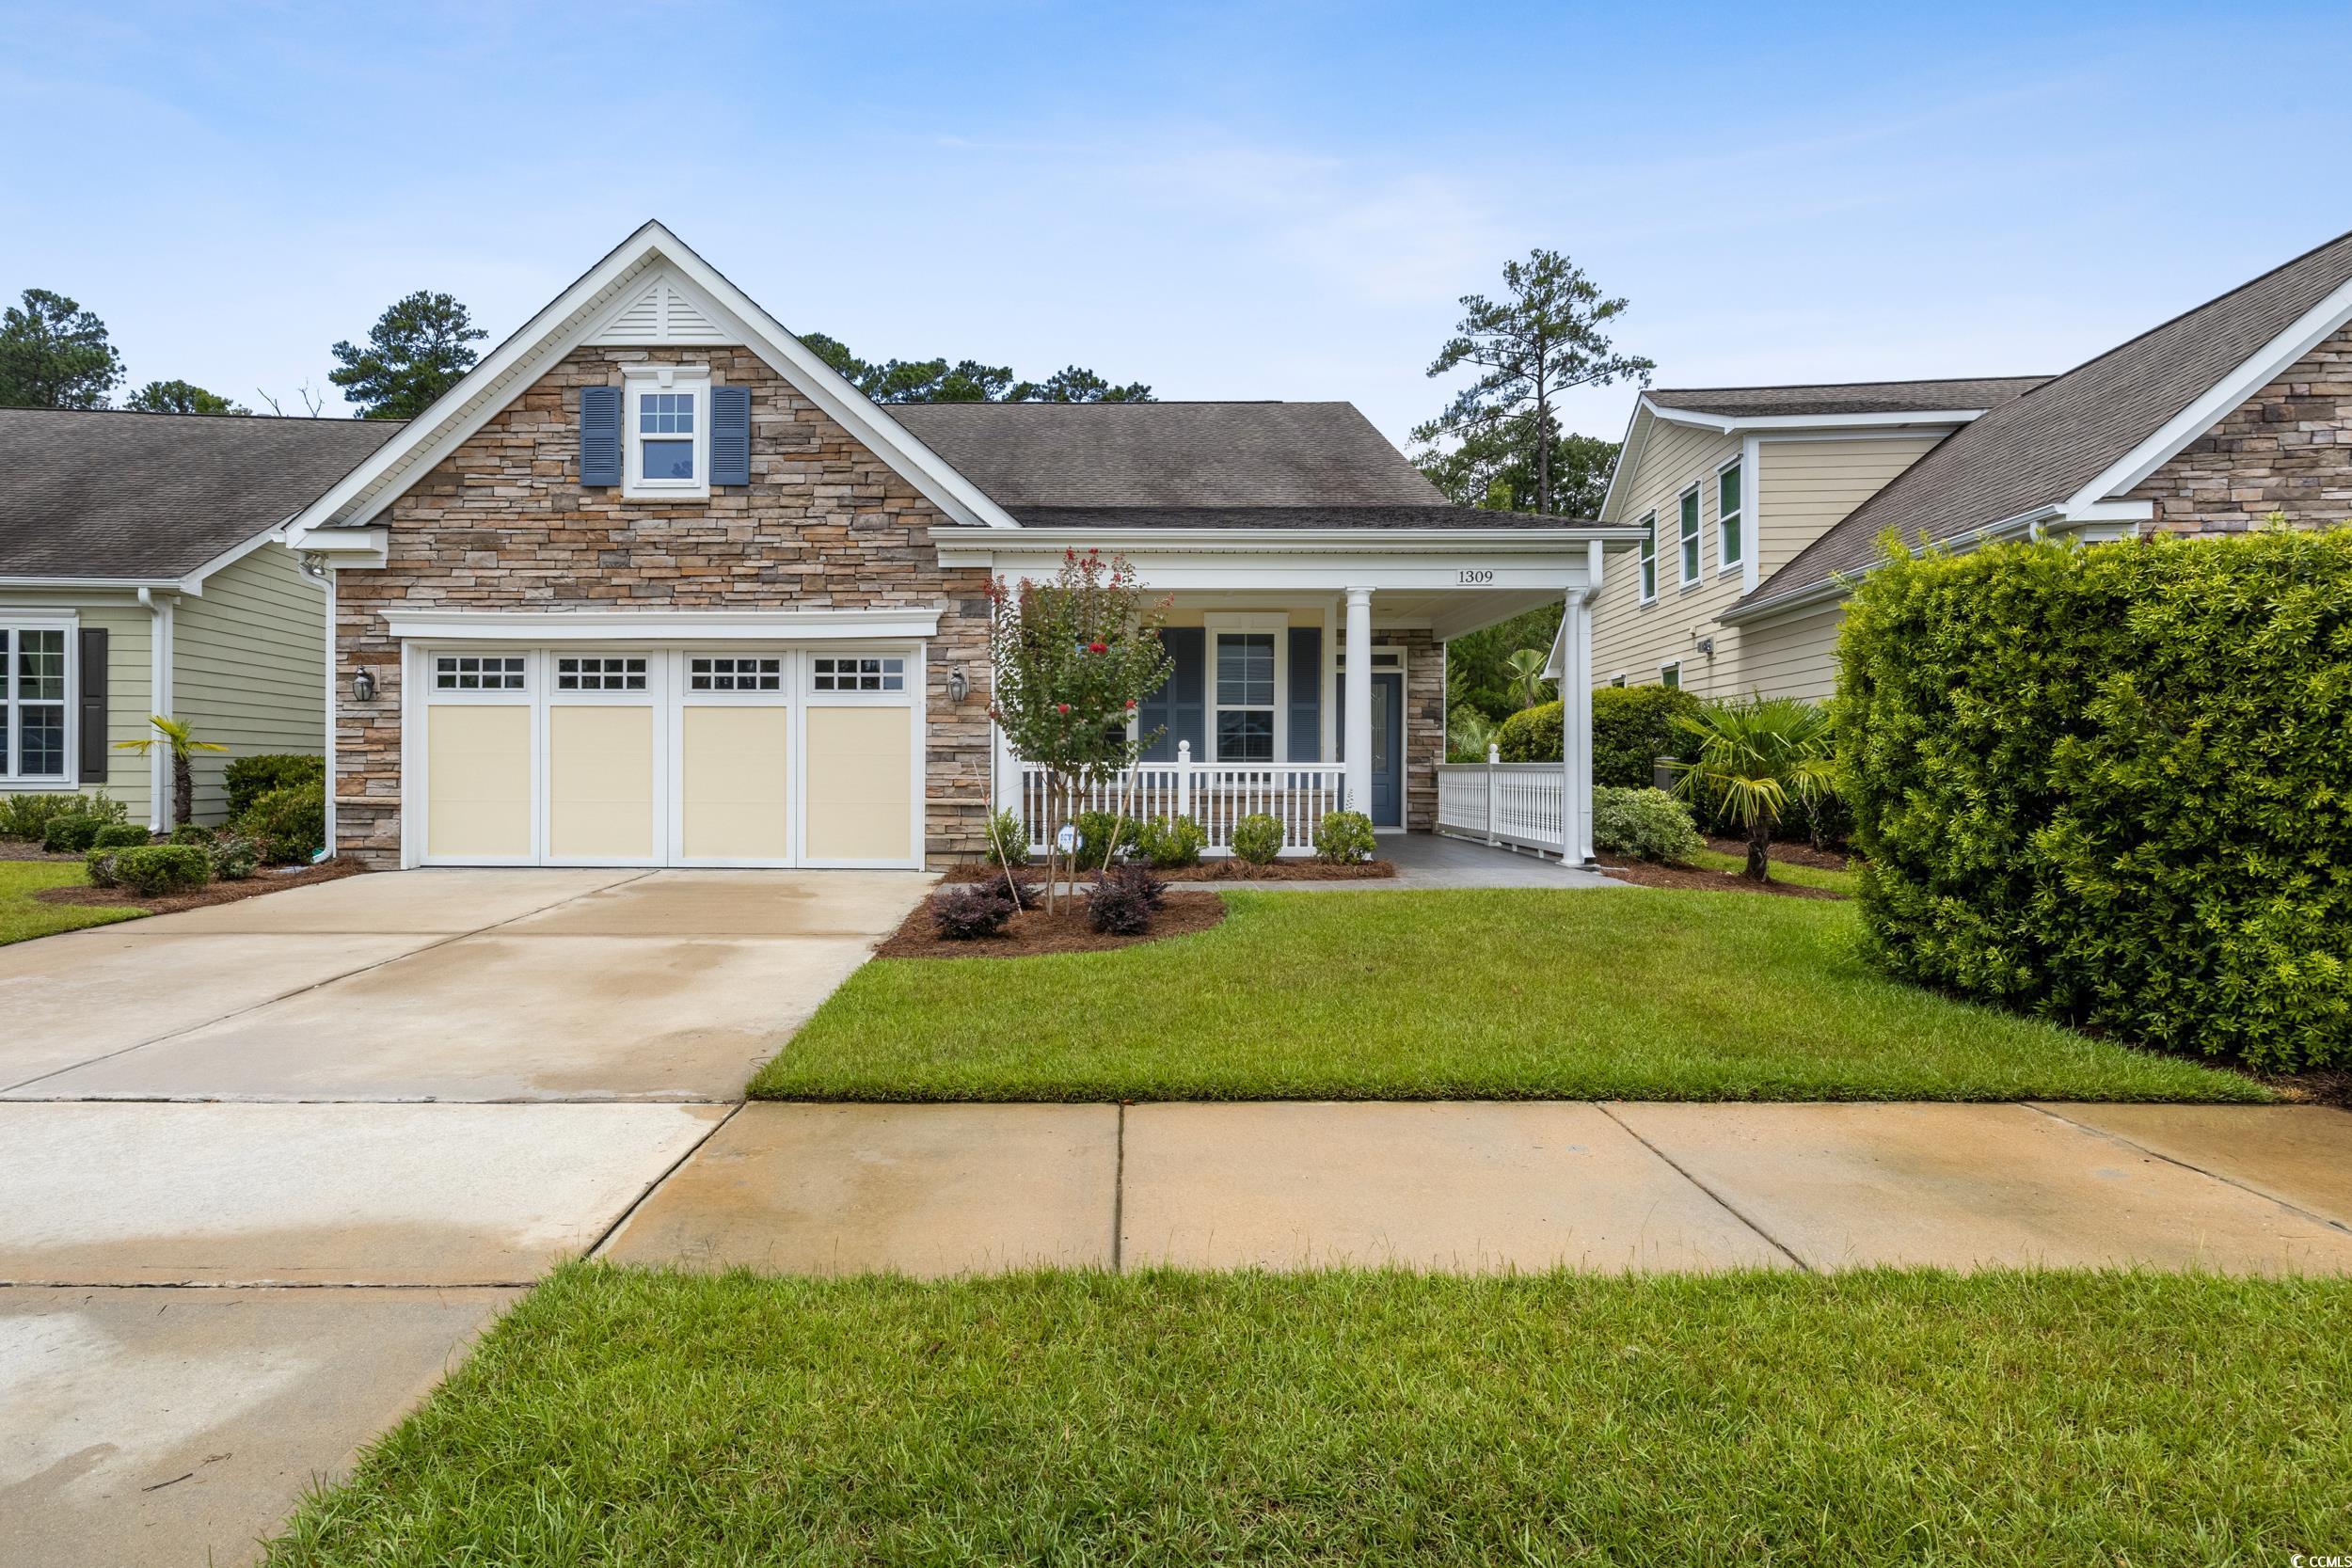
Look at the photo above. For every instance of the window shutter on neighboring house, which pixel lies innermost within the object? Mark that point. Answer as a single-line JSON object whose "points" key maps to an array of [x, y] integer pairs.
{"points": [[730, 435], [599, 436], [94, 704], [1306, 695], [1179, 710]]}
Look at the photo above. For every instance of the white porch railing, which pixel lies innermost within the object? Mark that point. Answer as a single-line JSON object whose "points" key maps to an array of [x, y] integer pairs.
{"points": [[1217, 795], [1518, 803]]}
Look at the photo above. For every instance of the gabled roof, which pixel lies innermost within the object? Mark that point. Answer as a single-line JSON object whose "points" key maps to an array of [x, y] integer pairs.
{"points": [[150, 498], [1848, 397], [1170, 454], [1437, 514], [2091, 435], [613, 288]]}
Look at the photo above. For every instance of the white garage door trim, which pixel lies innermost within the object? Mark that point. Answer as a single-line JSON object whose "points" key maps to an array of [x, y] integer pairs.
{"points": [[808, 691]]}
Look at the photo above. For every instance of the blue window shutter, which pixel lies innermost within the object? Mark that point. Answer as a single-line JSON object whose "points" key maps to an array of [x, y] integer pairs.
{"points": [[730, 435], [599, 436], [1305, 699], [1178, 708]]}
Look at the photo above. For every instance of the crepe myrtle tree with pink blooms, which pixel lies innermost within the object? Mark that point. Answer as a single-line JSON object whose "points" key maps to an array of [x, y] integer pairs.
{"points": [[1073, 660]]}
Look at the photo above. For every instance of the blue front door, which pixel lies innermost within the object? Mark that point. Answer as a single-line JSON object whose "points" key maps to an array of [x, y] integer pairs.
{"points": [[1387, 748]]}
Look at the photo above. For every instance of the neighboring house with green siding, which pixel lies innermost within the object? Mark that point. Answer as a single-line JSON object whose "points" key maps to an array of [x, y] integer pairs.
{"points": [[140, 574]]}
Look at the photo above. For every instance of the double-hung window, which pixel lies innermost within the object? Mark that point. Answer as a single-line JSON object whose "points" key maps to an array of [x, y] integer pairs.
{"points": [[1730, 541], [1689, 561], [34, 699], [1649, 558], [665, 425], [1245, 696]]}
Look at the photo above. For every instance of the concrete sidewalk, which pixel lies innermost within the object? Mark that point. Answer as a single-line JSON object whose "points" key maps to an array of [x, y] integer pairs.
{"points": [[938, 1189]]}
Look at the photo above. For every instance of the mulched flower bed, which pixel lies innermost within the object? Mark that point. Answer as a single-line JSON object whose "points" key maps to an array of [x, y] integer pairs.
{"points": [[1649, 874], [1231, 869], [1793, 854], [267, 880], [25, 850], [1034, 931]]}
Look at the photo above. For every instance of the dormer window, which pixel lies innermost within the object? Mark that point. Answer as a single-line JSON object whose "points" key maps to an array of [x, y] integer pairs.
{"points": [[665, 422]]}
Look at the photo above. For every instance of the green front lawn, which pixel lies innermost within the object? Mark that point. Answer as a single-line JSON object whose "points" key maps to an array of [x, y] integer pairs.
{"points": [[24, 916], [1506, 993], [1877, 1418]]}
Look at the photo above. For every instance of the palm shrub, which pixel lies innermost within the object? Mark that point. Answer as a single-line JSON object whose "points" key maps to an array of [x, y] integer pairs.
{"points": [[1753, 759], [177, 736], [1647, 824], [2135, 815]]}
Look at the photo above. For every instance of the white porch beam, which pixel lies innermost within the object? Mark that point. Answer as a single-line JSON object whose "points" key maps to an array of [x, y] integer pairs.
{"points": [[1358, 678]]}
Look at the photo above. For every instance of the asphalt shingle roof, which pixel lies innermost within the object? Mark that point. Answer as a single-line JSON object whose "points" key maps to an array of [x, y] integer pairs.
{"points": [[1169, 454], [109, 494], [1440, 515], [1849, 397], [2042, 447]]}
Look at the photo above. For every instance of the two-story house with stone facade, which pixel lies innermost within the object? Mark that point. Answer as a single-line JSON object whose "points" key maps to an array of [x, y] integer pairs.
{"points": [[654, 586], [1760, 506]]}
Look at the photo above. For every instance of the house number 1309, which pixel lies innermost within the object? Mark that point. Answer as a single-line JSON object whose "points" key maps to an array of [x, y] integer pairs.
{"points": [[1467, 574]]}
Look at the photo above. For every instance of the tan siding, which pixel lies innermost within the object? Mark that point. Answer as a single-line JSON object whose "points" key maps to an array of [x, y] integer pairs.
{"points": [[1809, 486], [1633, 637], [1795, 657], [250, 667], [127, 626]]}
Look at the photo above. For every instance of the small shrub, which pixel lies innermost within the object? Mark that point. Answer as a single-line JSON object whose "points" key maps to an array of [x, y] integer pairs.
{"points": [[1647, 824], [1121, 903], [1172, 843], [970, 910], [159, 869], [191, 833], [27, 817], [100, 865], [1258, 838], [1009, 840], [120, 835], [288, 824], [235, 857], [1344, 838], [248, 779], [70, 833], [1096, 830]]}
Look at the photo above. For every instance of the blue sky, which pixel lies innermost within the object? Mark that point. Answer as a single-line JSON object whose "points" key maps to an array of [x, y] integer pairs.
{"points": [[1243, 201]]}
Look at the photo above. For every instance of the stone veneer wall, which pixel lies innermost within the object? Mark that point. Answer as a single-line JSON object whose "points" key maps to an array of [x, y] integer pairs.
{"points": [[1424, 723], [2288, 448], [503, 524]]}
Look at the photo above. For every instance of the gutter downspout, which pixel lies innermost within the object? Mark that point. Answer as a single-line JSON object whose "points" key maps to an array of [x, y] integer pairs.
{"points": [[159, 698]]}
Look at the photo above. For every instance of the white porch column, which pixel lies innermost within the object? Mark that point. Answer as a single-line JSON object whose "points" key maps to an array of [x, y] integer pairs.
{"points": [[1576, 729], [1357, 742]]}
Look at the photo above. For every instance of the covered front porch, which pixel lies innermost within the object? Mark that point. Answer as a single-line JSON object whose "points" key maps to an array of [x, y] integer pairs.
{"points": [[1310, 670]]}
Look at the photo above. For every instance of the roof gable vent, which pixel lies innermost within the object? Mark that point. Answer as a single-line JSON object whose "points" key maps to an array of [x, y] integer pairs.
{"points": [[660, 311]]}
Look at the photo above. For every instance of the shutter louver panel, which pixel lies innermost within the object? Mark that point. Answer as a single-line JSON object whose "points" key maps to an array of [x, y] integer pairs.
{"points": [[599, 436], [1306, 693], [92, 654], [730, 435]]}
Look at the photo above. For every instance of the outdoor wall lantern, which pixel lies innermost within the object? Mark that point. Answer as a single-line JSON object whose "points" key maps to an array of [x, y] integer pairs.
{"points": [[363, 686], [959, 685]]}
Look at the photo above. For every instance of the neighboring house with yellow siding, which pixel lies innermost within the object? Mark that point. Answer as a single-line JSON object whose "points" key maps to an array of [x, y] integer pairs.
{"points": [[140, 574], [2227, 414]]}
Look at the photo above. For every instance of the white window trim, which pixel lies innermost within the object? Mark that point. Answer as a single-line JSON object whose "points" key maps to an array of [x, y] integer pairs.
{"points": [[636, 382], [1691, 547], [1666, 664], [1725, 562], [10, 779], [437, 692], [1276, 624], [1646, 567]]}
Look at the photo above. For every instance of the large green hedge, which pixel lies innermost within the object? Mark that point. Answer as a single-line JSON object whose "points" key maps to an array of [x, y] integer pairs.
{"points": [[2114, 785], [1631, 725]]}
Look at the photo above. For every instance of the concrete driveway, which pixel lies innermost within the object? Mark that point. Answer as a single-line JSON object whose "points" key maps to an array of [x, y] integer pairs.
{"points": [[410, 1094]]}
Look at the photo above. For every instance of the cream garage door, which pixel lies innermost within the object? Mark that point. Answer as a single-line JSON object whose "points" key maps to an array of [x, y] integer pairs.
{"points": [[675, 756]]}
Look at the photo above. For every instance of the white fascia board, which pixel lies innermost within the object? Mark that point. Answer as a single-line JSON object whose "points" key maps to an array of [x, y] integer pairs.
{"points": [[126, 585], [625, 625], [1628, 454], [193, 584], [343, 547], [2259, 370], [961, 547], [2025, 525], [1724, 424], [570, 319]]}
